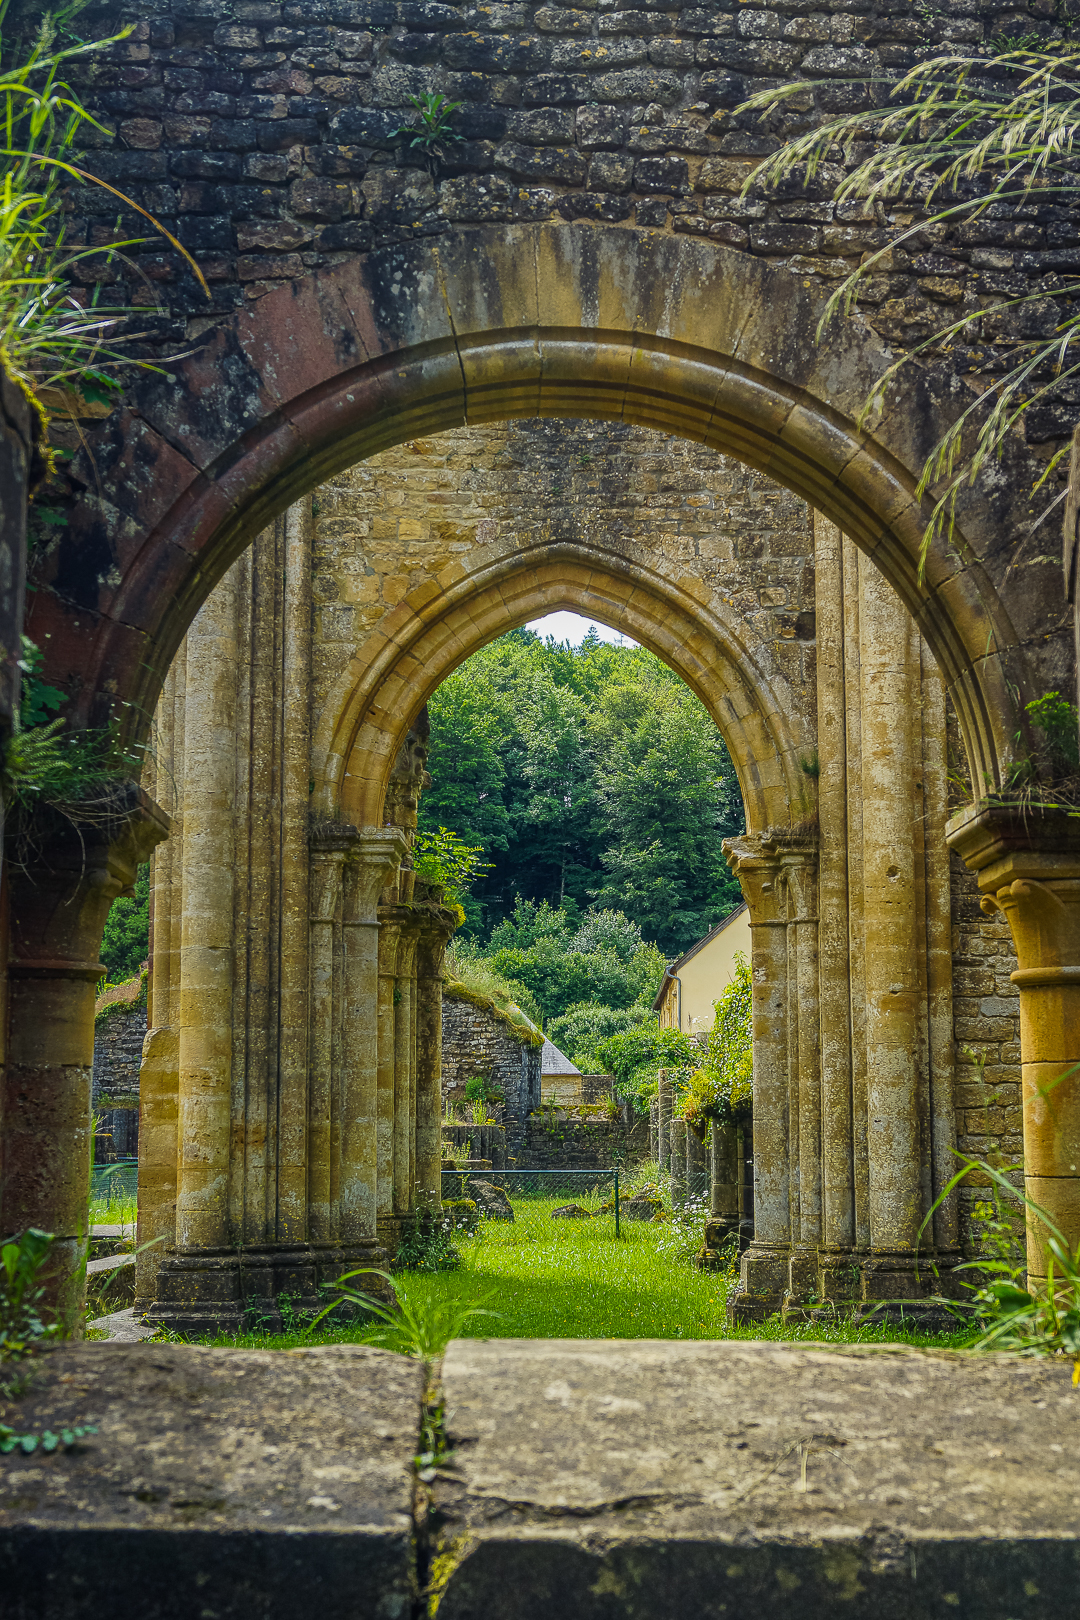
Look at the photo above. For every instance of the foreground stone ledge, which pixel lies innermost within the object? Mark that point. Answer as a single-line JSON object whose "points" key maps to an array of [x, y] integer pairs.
{"points": [[220, 1484], [614, 1480]]}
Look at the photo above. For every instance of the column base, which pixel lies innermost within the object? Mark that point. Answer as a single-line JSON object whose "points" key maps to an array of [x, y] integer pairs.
{"points": [[260, 1289], [763, 1282], [715, 1253], [896, 1289]]}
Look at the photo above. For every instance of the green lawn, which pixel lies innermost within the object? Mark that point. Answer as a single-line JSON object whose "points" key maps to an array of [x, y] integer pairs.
{"points": [[571, 1279]]}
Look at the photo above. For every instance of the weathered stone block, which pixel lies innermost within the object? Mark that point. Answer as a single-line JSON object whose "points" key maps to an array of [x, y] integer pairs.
{"points": [[232, 1483], [603, 1480]]}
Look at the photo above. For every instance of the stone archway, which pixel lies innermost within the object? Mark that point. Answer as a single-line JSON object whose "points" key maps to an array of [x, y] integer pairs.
{"points": [[395, 671], [495, 323], [483, 325], [829, 1219]]}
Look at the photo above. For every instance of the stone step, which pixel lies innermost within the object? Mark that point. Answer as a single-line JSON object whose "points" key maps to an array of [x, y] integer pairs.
{"points": [[588, 1480]]}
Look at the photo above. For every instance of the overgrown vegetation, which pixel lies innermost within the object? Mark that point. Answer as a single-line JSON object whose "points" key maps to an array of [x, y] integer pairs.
{"points": [[602, 959], [962, 136], [22, 1289], [1004, 1310], [51, 341], [125, 943], [413, 1326], [23, 1331], [636, 1055], [721, 1088]]}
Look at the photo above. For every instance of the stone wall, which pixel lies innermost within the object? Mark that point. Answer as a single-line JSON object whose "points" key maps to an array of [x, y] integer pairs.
{"points": [[268, 135], [475, 1040], [986, 1024], [388, 525], [557, 1143], [119, 1032]]}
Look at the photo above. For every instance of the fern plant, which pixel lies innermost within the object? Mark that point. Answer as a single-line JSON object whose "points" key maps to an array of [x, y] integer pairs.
{"points": [[958, 135]]}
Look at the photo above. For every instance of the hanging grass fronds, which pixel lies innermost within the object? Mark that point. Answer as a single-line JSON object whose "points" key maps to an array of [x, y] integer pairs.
{"points": [[960, 134], [50, 338]]}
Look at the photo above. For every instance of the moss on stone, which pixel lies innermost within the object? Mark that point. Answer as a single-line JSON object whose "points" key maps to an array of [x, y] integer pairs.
{"points": [[122, 1003], [521, 1027]]}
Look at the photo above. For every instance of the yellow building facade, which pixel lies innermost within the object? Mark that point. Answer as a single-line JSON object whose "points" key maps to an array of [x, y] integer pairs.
{"points": [[695, 980]]}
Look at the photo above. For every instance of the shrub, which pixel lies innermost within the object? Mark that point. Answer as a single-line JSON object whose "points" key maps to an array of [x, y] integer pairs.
{"points": [[427, 1244], [722, 1088], [22, 1262], [585, 1025], [637, 1055]]}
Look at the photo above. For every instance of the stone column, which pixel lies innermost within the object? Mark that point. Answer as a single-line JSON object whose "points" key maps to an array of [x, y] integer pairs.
{"points": [[800, 881], [373, 858], [663, 1120], [697, 1164], [893, 991], [404, 1072], [58, 909], [834, 980], [431, 950], [389, 944], [1028, 868], [292, 721], [330, 843], [159, 1070], [723, 1152], [206, 950], [939, 961], [765, 1265], [678, 1163]]}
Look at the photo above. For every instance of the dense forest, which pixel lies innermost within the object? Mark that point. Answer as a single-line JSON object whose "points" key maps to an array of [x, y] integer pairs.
{"points": [[597, 788], [593, 779]]}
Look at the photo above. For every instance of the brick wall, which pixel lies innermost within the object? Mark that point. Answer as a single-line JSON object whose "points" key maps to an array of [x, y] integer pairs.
{"points": [[986, 1024], [396, 520], [266, 135]]}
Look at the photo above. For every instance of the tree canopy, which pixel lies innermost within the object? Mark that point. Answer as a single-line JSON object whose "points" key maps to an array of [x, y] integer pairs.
{"points": [[594, 780]]}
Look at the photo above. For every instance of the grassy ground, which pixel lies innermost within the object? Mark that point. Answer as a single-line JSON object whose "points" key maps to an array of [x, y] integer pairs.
{"points": [[566, 1279], [112, 1211]]}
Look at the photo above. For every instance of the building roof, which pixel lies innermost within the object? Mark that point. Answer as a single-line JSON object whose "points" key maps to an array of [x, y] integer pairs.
{"points": [[680, 961], [552, 1061]]}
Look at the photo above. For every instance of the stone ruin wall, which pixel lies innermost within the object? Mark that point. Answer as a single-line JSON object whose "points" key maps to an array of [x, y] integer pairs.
{"points": [[476, 1041], [557, 1143], [386, 525], [119, 1032]]}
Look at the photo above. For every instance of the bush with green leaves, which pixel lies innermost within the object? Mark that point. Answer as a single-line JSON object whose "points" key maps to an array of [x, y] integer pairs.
{"points": [[581, 1029], [22, 1264], [604, 959], [635, 1057], [419, 1327], [427, 1244], [1004, 1309], [1059, 722], [722, 1087], [445, 860]]}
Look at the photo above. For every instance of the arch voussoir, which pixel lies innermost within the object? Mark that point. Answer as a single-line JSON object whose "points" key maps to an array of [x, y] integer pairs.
{"points": [[668, 332]]}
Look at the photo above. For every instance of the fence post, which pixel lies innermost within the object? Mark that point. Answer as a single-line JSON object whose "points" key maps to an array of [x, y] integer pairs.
{"points": [[616, 1201]]}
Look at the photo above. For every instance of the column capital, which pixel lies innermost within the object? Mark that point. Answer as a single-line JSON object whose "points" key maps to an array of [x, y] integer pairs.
{"points": [[769, 865], [376, 853], [82, 861], [366, 856], [1028, 868]]}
